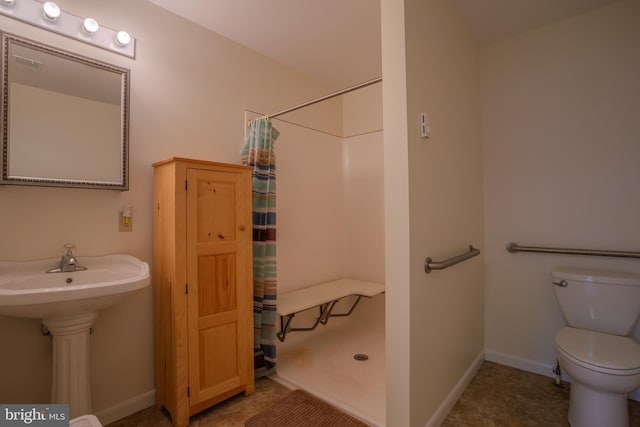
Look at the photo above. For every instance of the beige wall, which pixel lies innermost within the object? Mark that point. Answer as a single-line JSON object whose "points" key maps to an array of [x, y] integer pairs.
{"points": [[189, 90], [363, 194], [362, 110], [442, 311], [396, 213], [560, 113], [363, 170], [310, 207]]}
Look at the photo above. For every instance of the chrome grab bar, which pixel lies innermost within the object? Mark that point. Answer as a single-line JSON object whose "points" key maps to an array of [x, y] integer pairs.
{"points": [[430, 264], [514, 247]]}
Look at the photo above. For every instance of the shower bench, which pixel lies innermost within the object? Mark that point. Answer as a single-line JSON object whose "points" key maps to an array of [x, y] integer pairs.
{"points": [[324, 296]]}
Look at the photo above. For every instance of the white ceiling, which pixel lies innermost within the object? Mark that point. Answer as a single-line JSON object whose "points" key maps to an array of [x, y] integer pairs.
{"points": [[337, 42]]}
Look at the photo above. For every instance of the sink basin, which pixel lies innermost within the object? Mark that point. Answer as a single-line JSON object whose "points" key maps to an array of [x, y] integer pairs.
{"points": [[68, 303], [27, 291]]}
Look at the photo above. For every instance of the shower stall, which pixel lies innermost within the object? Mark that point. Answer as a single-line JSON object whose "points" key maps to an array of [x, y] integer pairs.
{"points": [[330, 212]]}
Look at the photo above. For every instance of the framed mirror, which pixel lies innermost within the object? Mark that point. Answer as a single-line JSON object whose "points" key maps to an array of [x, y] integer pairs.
{"points": [[65, 118]]}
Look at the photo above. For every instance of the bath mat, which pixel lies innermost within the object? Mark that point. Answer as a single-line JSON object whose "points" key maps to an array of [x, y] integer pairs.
{"points": [[299, 408]]}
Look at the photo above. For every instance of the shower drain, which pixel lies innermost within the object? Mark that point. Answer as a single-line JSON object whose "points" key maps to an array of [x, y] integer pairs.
{"points": [[361, 357]]}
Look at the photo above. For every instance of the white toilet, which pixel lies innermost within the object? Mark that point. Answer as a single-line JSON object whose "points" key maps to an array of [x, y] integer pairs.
{"points": [[601, 309]]}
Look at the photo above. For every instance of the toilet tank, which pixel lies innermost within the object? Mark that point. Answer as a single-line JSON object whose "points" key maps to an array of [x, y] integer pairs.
{"points": [[600, 301]]}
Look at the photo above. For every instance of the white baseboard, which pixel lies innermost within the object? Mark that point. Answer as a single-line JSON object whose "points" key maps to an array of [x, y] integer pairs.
{"points": [[442, 412], [521, 363], [126, 408], [533, 366]]}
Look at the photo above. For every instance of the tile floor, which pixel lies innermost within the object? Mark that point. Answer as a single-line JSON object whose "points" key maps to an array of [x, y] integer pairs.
{"points": [[501, 396], [230, 413], [498, 396]]}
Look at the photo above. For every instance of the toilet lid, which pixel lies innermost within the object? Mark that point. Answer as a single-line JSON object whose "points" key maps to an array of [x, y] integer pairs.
{"points": [[600, 350]]}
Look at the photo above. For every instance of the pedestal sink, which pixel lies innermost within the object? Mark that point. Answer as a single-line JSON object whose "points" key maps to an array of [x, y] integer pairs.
{"points": [[68, 303]]}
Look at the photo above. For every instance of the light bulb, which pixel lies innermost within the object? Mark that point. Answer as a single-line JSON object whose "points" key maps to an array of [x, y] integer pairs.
{"points": [[51, 11], [123, 38], [90, 26]]}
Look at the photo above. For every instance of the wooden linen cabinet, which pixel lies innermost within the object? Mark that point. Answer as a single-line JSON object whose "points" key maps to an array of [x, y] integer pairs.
{"points": [[203, 284]]}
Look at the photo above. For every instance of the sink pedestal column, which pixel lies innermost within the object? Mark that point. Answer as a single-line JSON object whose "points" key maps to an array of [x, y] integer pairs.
{"points": [[71, 361]]}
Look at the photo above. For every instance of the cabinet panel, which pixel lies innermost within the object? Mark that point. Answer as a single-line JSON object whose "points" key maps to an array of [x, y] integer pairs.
{"points": [[216, 210], [218, 355], [216, 283]]}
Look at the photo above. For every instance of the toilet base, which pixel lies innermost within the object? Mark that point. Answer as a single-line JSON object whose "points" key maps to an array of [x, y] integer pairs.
{"points": [[593, 408]]}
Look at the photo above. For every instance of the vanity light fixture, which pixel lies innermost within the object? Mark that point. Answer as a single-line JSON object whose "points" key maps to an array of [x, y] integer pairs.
{"points": [[49, 16], [123, 38], [90, 26], [51, 11]]}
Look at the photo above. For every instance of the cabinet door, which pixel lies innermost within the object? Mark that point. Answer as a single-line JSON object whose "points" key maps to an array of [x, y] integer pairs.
{"points": [[220, 313]]}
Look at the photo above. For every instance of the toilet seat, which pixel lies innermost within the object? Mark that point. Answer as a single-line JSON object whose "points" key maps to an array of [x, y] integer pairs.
{"points": [[605, 353]]}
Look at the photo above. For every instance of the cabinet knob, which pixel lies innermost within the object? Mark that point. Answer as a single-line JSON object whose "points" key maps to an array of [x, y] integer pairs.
{"points": [[242, 228]]}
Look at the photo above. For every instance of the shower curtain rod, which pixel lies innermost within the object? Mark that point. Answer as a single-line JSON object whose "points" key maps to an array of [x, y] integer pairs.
{"points": [[325, 97]]}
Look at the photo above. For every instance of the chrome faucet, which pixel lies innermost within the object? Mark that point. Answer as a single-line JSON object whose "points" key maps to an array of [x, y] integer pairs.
{"points": [[68, 262]]}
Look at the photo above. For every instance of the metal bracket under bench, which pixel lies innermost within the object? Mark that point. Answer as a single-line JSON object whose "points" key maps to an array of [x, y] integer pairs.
{"points": [[324, 296]]}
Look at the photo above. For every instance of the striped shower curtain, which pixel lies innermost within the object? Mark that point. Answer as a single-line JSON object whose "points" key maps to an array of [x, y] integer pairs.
{"points": [[258, 152]]}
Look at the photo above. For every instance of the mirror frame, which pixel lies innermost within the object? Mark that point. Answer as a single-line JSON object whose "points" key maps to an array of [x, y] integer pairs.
{"points": [[6, 178]]}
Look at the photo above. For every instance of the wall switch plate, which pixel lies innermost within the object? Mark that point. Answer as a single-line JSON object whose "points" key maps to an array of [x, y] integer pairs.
{"points": [[425, 126]]}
